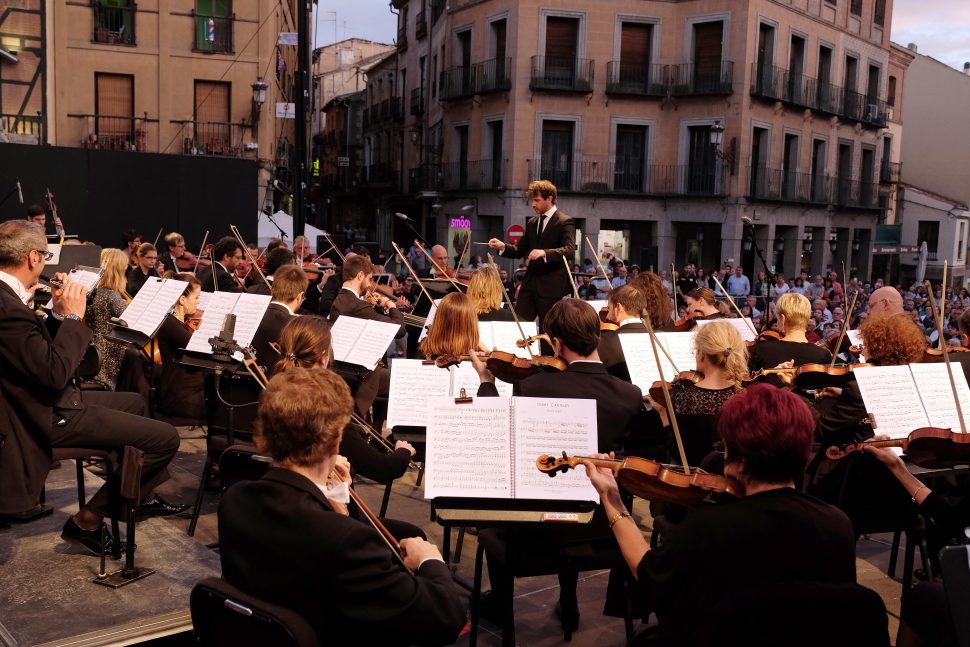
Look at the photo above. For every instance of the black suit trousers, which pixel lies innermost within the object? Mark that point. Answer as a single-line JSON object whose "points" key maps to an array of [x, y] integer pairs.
{"points": [[111, 421]]}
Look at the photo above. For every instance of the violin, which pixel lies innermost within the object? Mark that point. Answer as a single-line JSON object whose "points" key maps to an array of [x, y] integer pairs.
{"points": [[688, 321], [508, 367], [605, 322], [933, 355], [929, 447], [819, 376], [651, 480], [680, 380], [188, 261]]}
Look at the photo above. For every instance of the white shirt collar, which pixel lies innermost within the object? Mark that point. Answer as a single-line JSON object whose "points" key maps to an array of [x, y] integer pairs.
{"points": [[22, 293], [629, 321], [288, 309], [551, 211], [585, 361], [351, 290]]}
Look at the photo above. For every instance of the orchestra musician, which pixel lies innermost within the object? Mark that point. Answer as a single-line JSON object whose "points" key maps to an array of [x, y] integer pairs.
{"points": [[220, 276], [793, 349], [624, 306], [302, 249], [289, 285], [180, 387], [276, 259], [147, 266], [702, 302], [130, 241], [574, 328], [659, 303], [176, 258], [40, 358], [549, 237], [37, 214], [284, 539], [775, 534], [454, 330], [485, 291], [108, 301]]}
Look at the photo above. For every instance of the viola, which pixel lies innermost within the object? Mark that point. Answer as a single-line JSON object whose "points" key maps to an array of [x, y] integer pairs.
{"points": [[509, 367], [651, 480], [932, 355], [818, 376], [929, 447]]}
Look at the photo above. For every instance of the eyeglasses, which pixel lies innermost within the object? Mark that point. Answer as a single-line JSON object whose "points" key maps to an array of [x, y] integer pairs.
{"points": [[46, 255]]}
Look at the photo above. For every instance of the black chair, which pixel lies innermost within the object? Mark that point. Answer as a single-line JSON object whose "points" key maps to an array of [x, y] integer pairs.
{"points": [[224, 616], [796, 614], [107, 458], [241, 462], [955, 567], [231, 402]]}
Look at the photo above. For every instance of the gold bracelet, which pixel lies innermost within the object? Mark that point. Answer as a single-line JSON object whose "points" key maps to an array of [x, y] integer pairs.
{"points": [[917, 492], [618, 516]]}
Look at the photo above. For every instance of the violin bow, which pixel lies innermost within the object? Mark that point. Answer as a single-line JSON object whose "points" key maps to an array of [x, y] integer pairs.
{"points": [[252, 261], [939, 339], [946, 355], [333, 246], [373, 433], [508, 300], [199, 257], [414, 274], [845, 325], [572, 279], [735, 306], [57, 218], [670, 402], [437, 267], [157, 236], [606, 276]]}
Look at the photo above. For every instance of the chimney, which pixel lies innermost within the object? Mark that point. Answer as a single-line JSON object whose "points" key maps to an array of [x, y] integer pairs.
{"points": [[913, 48], [966, 68]]}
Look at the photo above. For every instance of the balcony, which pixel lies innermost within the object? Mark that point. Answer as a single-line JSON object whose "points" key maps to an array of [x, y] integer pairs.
{"points": [[561, 74], [22, 129], [693, 79], [472, 175], [402, 39], [639, 80], [785, 186], [113, 133], [425, 178], [420, 25], [493, 75], [113, 25], [778, 84], [417, 102], [631, 176], [213, 34], [212, 138], [890, 172]]}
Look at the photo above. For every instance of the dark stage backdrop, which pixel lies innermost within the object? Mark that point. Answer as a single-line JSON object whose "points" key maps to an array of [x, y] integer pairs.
{"points": [[100, 194]]}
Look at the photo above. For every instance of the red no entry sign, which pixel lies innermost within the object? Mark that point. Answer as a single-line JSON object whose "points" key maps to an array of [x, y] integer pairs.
{"points": [[515, 233]]}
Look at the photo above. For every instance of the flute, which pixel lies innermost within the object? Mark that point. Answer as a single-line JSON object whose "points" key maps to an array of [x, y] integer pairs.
{"points": [[54, 282]]}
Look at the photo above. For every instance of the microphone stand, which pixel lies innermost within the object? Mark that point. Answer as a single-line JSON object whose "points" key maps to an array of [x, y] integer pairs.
{"points": [[269, 217], [769, 275], [407, 221]]}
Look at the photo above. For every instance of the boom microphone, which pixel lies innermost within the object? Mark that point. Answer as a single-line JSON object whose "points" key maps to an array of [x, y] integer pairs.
{"points": [[20, 193]]}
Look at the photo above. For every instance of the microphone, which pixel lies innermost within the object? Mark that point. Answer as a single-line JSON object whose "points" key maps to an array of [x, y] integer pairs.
{"points": [[224, 345], [20, 193], [402, 216]]}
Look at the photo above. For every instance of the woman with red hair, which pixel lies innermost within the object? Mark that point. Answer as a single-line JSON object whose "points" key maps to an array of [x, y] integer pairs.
{"points": [[774, 534]]}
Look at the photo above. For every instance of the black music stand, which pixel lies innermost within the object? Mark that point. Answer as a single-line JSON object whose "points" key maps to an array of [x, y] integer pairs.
{"points": [[139, 341]]}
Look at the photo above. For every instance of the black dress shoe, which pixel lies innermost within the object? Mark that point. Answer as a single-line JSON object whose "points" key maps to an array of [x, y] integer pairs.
{"points": [[159, 507], [568, 618], [90, 539], [39, 510]]}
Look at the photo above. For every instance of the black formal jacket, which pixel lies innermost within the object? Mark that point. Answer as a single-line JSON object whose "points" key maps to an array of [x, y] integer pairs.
{"points": [[281, 541], [39, 362], [137, 280], [179, 387], [329, 292], [269, 331], [224, 281], [498, 314], [348, 304], [611, 351], [548, 278], [619, 404]]}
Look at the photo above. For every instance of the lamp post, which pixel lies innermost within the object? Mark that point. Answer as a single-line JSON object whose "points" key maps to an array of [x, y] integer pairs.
{"points": [[259, 98], [717, 140]]}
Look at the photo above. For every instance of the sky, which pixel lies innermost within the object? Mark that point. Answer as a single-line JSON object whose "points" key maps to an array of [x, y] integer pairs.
{"points": [[941, 28]]}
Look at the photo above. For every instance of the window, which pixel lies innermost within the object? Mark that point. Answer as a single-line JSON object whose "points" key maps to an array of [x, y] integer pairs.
{"points": [[636, 43], [114, 22], [891, 92], [701, 161], [759, 162], [556, 163], [855, 7], [879, 13], [630, 160], [960, 240], [494, 134], [211, 116], [461, 143], [824, 92], [114, 99], [929, 231], [498, 46], [562, 43], [766, 58], [845, 173], [819, 189], [708, 43], [213, 26], [789, 180]]}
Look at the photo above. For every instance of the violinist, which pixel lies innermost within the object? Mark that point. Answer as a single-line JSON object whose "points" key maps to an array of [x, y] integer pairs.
{"points": [[274, 261], [220, 276], [658, 303], [180, 387], [285, 539], [176, 258], [485, 291], [302, 249], [702, 303], [147, 267], [793, 311], [574, 328], [289, 286], [130, 241], [624, 306], [774, 534], [455, 328]]}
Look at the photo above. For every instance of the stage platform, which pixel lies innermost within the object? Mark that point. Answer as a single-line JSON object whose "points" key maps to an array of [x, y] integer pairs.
{"points": [[47, 596]]}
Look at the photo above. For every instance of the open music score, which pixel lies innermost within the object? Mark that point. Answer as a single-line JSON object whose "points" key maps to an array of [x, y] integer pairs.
{"points": [[487, 448], [503, 335], [744, 326], [249, 310], [640, 358], [429, 319], [152, 303], [414, 383], [86, 276], [361, 341], [905, 398]]}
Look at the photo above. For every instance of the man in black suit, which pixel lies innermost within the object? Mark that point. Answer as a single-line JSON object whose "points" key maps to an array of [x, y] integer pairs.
{"points": [[37, 380], [549, 237], [574, 328], [221, 275], [624, 306], [289, 285], [275, 259], [287, 539]]}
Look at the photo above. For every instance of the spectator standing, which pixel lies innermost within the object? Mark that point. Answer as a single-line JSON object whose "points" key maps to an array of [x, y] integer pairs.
{"points": [[738, 285]]}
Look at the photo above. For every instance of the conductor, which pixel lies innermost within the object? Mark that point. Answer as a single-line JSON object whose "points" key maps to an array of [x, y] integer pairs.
{"points": [[549, 237]]}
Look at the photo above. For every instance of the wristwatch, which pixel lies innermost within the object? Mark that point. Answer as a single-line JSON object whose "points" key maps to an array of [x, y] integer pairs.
{"points": [[73, 317]]}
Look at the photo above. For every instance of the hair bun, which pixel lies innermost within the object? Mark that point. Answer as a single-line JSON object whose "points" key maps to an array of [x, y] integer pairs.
{"points": [[291, 357]]}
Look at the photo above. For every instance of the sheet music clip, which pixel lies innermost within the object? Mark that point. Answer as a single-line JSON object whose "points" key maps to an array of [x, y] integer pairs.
{"points": [[870, 420], [463, 398]]}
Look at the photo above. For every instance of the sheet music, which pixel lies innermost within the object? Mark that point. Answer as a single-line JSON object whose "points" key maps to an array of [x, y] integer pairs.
{"points": [[744, 326], [597, 305], [933, 383], [469, 449], [55, 249], [680, 345], [204, 299], [412, 385], [640, 361], [87, 277], [855, 337], [140, 302], [220, 304], [152, 304], [552, 426], [249, 311], [361, 341], [502, 335], [429, 319], [890, 394], [464, 376]]}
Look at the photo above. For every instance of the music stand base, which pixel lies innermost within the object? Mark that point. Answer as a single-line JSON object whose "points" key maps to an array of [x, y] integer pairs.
{"points": [[118, 579]]}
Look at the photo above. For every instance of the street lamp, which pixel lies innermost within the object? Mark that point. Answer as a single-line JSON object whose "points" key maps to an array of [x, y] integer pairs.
{"points": [[807, 244], [856, 245], [748, 242], [779, 245], [833, 243], [717, 139], [259, 98]]}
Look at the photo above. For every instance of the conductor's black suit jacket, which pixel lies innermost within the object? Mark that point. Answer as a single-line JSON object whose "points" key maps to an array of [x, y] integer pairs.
{"points": [[547, 278], [281, 541]]}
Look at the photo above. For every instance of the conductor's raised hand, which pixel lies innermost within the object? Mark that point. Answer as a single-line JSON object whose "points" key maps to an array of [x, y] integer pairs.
{"points": [[495, 243]]}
